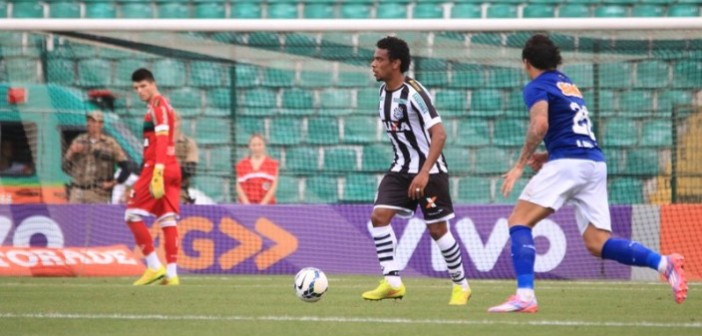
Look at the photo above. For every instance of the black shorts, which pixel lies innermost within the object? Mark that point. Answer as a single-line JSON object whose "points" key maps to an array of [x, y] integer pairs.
{"points": [[436, 203]]}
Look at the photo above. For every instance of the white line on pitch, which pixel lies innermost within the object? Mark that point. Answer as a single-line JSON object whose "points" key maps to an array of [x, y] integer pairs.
{"points": [[336, 319]]}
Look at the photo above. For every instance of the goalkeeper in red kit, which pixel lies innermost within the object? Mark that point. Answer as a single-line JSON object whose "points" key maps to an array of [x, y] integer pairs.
{"points": [[157, 191]]}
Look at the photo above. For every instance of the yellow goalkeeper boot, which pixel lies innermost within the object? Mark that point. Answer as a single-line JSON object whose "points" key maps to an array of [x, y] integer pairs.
{"points": [[151, 276], [174, 281], [385, 291], [460, 296]]}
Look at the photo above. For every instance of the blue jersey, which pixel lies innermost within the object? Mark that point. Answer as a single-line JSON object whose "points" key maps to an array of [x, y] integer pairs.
{"points": [[569, 132]]}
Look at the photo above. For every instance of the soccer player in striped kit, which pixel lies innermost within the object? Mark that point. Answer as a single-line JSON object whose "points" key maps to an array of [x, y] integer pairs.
{"points": [[417, 176]]}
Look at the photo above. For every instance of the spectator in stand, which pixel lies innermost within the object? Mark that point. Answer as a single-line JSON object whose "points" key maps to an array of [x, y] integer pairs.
{"points": [[10, 165], [187, 155], [257, 174], [90, 160]]}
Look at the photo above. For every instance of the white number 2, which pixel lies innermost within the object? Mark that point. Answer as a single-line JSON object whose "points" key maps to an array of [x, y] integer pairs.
{"points": [[581, 121]]}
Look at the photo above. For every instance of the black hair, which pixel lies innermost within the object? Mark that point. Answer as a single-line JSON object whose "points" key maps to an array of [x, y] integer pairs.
{"points": [[142, 74], [397, 49], [542, 53]]}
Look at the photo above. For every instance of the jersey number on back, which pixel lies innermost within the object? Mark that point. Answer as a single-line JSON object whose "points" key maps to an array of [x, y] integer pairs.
{"points": [[581, 121]]}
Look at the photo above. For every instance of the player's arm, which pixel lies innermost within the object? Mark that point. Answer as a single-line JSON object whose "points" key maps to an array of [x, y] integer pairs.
{"points": [[162, 131], [271, 191], [538, 126], [425, 109]]}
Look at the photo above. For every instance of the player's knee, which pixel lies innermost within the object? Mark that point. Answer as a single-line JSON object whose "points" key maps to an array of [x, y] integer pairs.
{"points": [[379, 217], [437, 230], [131, 217], [166, 221], [594, 247]]}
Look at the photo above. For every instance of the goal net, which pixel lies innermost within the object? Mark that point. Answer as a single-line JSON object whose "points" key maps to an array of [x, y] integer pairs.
{"points": [[311, 96]]}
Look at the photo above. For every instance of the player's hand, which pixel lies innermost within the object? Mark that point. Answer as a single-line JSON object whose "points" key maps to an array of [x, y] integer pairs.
{"points": [[510, 178], [156, 187], [416, 188], [537, 160]]}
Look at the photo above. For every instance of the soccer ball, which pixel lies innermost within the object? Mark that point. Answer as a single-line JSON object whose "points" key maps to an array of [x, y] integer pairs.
{"points": [[310, 284]]}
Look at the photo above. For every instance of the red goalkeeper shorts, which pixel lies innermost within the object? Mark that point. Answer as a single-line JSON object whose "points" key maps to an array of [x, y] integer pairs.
{"points": [[141, 198]]}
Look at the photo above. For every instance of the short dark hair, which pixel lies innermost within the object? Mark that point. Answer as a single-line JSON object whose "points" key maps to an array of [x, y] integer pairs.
{"points": [[542, 53], [142, 74], [397, 49]]}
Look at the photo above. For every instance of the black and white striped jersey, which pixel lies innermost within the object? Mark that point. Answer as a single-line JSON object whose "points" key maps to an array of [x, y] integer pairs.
{"points": [[407, 113]]}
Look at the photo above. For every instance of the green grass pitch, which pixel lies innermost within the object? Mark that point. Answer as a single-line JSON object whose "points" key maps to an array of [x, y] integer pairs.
{"points": [[267, 305]]}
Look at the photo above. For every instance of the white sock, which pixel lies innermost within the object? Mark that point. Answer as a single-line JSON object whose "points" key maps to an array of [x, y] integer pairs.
{"points": [[452, 255], [394, 280], [152, 261], [663, 264], [525, 294], [171, 270], [385, 244]]}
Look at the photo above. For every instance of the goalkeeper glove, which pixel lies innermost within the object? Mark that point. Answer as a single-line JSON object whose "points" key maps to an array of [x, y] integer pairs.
{"points": [[156, 186]]}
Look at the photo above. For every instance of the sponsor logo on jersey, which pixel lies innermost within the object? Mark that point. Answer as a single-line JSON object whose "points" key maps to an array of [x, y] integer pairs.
{"points": [[569, 89], [398, 112], [420, 103], [396, 126]]}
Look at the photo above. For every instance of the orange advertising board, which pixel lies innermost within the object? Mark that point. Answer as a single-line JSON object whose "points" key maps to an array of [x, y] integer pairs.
{"points": [[681, 232], [15, 194]]}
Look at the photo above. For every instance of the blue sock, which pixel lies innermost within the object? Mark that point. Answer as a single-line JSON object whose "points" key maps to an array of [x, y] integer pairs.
{"points": [[629, 252], [523, 255]]}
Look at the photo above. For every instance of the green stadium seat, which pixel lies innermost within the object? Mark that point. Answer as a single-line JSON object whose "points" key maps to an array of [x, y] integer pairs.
{"points": [[432, 78], [457, 159], [100, 10], [60, 71], [94, 73], [323, 131], [486, 102], [572, 10], [301, 44], [245, 127], [3, 10], [620, 132], [535, 10], [302, 159], [652, 74], [321, 189], [192, 112], [64, 10], [214, 187], [285, 131], [27, 10], [610, 11], [647, 10], [580, 74], [391, 10], [259, 97], [466, 11], [687, 74], [299, 99], [274, 77], [635, 103], [221, 160], [288, 190], [185, 97], [506, 77], [282, 10], [451, 102], [169, 72], [368, 99], [607, 102], [670, 99], [318, 11], [642, 162], [491, 160], [134, 10], [509, 132], [124, 69], [475, 132], [474, 190], [264, 40], [245, 75], [360, 188], [625, 191], [501, 11], [354, 79], [246, 10], [316, 79], [209, 10], [467, 76], [335, 98], [360, 129], [615, 161], [682, 10], [657, 133], [207, 74], [615, 75], [340, 159], [428, 10], [355, 10], [377, 157], [173, 11], [213, 131]]}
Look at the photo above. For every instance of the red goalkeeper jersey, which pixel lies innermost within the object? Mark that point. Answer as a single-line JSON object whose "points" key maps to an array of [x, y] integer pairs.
{"points": [[159, 147]]}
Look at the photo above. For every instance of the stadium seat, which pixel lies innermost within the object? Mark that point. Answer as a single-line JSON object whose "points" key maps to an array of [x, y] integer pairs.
{"points": [[60, 71], [94, 73], [458, 159], [625, 191], [246, 10], [615, 160], [368, 99], [335, 98], [428, 10], [486, 102], [173, 11], [288, 190], [245, 127], [321, 189], [652, 74], [642, 162], [682, 10], [467, 76], [491, 160], [134, 10], [209, 10], [501, 11], [214, 187], [285, 131], [687, 74], [474, 190], [213, 131], [221, 160], [354, 79], [64, 10], [360, 129], [265, 40], [282, 10], [647, 10], [318, 11], [509, 132], [635, 103], [169, 72], [377, 157], [539, 11], [3, 10], [615, 75], [320, 78], [302, 159], [620, 132], [607, 102], [355, 10], [573, 10], [296, 98], [207, 74], [474, 132], [451, 102], [610, 11], [360, 188], [391, 10], [301, 44], [670, 99], [580, 74], [185, 97], [461, 10], [245, 75], [657, 133], [27, 10], [124, 69], [323, 131], [101, 10], [273, 77], [506, 77], [340, 160]]}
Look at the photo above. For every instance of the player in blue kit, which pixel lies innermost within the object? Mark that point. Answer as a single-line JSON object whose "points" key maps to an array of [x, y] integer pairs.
{"points": [[572, 171]]}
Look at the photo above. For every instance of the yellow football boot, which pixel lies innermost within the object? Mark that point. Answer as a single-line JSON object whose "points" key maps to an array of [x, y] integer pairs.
{"points": [[151, 276], [460, 296], [174, 281], [385, 291]]}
